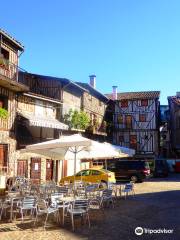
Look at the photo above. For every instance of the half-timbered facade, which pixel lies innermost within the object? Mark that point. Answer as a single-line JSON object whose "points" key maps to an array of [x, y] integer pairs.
{"points": [[9, 88], [135, 122], [174, 124]]}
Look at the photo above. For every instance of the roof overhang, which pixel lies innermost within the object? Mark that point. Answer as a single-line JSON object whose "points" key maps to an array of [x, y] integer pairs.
{"points": [[12, 84], [42, 121], [12, 40]]}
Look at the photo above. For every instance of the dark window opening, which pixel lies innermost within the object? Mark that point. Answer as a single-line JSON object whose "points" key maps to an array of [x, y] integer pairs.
{"points": [[120, 119], [128, 120], [4, 102], [142, 117], [121, 138], [5, 53], [133, 141], [144, 103], [124, 103]]}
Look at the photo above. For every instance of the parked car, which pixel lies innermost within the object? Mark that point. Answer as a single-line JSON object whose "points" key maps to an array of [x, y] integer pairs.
{"points": [[161, 168], [133, 170], [93, 176]]}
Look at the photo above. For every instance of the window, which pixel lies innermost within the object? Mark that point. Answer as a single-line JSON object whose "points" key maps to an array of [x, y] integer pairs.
{"points": [[144, 102], [5, 53], [4, 102], [133, 141], [142, 117], [128, 120], [124, 103], [121, 138], [120, 119]]}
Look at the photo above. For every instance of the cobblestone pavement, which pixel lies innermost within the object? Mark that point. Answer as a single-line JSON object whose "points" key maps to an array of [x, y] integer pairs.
{"points": [[155, 206]]}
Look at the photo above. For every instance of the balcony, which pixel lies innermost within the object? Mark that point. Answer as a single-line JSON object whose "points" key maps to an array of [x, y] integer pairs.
{"points": [[97, 129], [9, 76]]}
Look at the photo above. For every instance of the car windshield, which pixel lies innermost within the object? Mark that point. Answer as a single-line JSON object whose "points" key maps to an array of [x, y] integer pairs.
{"points": [[105, 170]]}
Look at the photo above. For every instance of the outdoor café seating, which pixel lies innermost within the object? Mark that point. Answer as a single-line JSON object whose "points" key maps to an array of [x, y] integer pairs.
{"points": [[79, 208], [128, 189], [27, 204], [65, 201], [44, 209]]}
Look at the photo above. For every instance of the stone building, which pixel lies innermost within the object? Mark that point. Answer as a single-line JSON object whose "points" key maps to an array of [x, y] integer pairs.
{"points": [[10, 50], [174, 125], [94, 103]]}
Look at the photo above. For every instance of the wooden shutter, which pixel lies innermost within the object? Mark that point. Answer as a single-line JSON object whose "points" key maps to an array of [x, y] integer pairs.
{"points": [[64, 168], [3, 155], [49, 169], [22, 169]]}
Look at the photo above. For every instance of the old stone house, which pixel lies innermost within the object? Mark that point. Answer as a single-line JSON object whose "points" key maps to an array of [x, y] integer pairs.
{"points": [[94, 103], [10, 50], [174, 125], [36, 122], [53, 97]]}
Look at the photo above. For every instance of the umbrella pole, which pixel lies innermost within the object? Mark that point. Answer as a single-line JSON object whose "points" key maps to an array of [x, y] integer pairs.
{"points": [[106, 164], [75, 153]]}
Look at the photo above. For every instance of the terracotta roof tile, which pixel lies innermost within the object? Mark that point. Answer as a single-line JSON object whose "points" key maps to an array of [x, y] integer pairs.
{"points": [[136, 95], [175, 99]]}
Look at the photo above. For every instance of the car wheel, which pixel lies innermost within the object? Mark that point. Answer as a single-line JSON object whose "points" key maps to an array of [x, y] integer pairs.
{"points": [[134, 178]]}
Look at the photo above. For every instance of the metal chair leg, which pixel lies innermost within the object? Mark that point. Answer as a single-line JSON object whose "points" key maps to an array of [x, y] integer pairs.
{"points": [[72, 220], [46, 221]]}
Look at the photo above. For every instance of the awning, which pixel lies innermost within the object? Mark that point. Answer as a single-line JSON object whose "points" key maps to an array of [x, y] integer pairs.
{"points": [[43, 121]]}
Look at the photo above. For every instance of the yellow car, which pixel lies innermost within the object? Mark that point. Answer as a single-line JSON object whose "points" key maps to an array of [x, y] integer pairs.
{"points": [[91, 175]]}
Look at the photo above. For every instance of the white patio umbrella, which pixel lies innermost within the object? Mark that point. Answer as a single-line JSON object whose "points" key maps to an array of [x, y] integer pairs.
{"points": [[57, 149], [75, 146], [104, 150]]}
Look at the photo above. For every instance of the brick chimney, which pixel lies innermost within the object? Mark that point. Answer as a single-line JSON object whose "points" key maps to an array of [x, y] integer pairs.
{"points": [[92, 81], [114, 92]]}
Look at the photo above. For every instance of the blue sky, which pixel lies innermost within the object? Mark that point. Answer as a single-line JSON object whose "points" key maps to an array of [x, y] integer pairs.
{"points": [[133, 44]]}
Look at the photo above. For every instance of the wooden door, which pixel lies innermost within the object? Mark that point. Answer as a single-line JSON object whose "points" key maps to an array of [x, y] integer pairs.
{"points": [[3, 157], [133, 141], [22, 169], [64, 168], [49, 169], [36, 169]]}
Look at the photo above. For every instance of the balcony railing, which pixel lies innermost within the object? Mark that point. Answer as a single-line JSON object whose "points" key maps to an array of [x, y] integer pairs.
{"points": [[9, 69]]}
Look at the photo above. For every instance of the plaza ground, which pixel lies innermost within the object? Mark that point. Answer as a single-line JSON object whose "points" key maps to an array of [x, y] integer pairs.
{"points": [[154, 206]]}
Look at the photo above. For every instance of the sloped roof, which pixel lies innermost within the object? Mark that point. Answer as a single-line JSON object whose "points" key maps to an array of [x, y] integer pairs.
{"points": [[13, 40], [64, 81], [136, 95], [174, 99], [93, 91]]}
